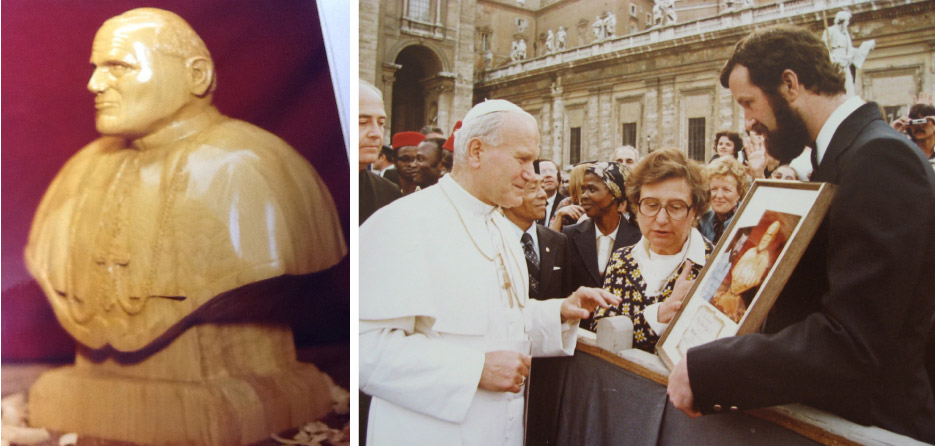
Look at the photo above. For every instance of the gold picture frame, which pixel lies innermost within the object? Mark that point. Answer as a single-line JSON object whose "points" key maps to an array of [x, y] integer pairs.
{"points": [[749, 266]]}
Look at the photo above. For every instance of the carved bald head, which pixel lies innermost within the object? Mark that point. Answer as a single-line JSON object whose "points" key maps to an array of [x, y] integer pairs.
{"points": [[150, 70]]}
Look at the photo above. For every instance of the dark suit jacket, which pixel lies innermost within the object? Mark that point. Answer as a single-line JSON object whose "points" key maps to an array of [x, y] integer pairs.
{"points": [[375, 192], [584, 249], [392, 176], [847, 332], [551, 210], [554, 264]]}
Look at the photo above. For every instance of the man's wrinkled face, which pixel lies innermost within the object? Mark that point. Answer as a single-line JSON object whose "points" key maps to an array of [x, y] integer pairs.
{"points": [[371, 119], [549, 173], [534, 203], [626, 156], [784, 129], [137, 89], [506, 168]]}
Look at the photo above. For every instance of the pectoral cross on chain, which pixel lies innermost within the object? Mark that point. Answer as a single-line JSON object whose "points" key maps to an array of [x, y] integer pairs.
{"points": [[507, 284]]}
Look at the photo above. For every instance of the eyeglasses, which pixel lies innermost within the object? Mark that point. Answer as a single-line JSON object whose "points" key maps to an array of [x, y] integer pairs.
{"points": [[676, 209]]}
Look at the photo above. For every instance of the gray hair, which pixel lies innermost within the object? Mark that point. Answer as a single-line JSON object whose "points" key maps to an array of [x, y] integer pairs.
{"points": [[367, 85], [628, 147], [484, 122], [485, 128]]}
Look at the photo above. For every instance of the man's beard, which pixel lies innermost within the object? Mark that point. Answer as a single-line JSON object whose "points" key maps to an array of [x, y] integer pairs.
{"points": [[790, 137]]}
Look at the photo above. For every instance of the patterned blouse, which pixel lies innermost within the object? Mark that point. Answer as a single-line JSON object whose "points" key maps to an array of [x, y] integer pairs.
{"points": [[623, 279]]}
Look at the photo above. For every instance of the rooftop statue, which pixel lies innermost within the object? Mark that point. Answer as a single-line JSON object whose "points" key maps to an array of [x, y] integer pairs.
{"points": [[158, 226], [598, 28], [843, 53], [610, 24], [664, 13]]}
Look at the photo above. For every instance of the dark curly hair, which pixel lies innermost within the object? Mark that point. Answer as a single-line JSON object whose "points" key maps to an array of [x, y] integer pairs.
{"points": [[921, 110], [768, 52], [734, 137]]}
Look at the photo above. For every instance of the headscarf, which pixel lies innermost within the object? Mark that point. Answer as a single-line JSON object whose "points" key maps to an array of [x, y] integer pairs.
{"points": [[614, 175]]}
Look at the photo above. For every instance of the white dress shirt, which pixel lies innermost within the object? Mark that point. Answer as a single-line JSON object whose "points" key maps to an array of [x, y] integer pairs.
{"points": [[535, 237], [605, 244], [831, 125]]}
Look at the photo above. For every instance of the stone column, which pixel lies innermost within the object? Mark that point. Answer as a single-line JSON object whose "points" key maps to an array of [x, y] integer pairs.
{"points": [[669, 128], [369, 21], [590, 140], [389, 78], [462, 13], [652, 126], [545, 132], [725, 116], [607, 142], [558, 121]]}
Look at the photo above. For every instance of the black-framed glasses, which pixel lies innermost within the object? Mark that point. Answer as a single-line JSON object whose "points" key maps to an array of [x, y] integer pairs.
{"points": [[676, 209]]}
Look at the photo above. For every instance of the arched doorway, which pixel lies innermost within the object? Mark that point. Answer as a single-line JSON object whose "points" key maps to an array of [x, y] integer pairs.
{"points": [[414, 104]]}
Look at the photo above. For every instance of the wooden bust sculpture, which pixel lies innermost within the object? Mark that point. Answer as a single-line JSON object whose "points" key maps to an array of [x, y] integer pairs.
{"points": [[146, 245], [747, 274]]}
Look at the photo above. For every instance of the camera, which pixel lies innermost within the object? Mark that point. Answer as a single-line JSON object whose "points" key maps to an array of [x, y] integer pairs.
{"points": [[920, 121]]}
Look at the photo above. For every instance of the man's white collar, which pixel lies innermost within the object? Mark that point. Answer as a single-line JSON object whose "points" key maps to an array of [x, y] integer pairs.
{"points": [[831, 125]]}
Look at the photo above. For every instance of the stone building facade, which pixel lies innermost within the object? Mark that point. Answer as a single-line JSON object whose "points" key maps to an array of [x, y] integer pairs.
{"points": [[420, 53], [645, 85]]}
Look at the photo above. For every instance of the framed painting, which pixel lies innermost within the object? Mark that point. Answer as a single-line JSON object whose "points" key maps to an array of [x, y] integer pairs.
{"points": [[749, 266]]}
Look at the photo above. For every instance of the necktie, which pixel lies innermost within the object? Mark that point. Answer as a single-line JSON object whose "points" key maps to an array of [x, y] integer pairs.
{"points": [[532, 263]]}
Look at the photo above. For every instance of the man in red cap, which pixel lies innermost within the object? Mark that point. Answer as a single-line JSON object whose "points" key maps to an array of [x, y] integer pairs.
{"points": [[406, 144]]}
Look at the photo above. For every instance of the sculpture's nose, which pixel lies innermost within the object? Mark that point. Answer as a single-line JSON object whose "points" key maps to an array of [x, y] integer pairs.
{"points": [[97, 83]]}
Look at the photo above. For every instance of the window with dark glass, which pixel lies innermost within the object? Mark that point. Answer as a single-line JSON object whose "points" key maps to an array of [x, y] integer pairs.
{"points": [[629, 134], [574, 146], [696, 139]]}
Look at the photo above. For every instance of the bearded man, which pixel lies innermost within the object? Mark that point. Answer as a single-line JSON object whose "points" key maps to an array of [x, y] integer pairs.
{"points": [[848, 331]]}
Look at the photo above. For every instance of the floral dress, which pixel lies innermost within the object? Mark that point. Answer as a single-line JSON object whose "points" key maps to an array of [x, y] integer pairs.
{"points": [[623, 279]]}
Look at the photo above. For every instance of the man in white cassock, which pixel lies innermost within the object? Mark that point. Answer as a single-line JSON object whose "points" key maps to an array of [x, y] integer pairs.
{"points": [[446, 326]]}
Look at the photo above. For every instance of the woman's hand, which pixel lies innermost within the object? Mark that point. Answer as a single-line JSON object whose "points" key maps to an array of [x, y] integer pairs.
{"points": [[573, 211], [682, 286]]}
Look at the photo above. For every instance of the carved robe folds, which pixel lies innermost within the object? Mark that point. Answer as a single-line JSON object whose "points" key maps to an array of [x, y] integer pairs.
{"points": [[147, 254], [128, 241]]}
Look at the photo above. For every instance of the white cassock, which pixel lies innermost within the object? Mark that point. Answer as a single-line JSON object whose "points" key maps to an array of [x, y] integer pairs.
{"points": [[443, 281]]}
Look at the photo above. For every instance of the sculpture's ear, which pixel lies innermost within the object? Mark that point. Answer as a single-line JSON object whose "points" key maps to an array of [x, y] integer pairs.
{"points": [[201, 75]]}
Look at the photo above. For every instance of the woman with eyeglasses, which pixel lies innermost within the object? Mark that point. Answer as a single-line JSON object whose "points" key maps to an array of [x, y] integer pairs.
{"points": [[666, 192]]}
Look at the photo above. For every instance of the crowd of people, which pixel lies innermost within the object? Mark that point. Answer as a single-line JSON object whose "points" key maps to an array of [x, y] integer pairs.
{"points": [[497, 256]]}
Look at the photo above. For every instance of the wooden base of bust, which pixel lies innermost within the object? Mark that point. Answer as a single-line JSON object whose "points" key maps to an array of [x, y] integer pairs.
{"points": [[216, 384]]}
